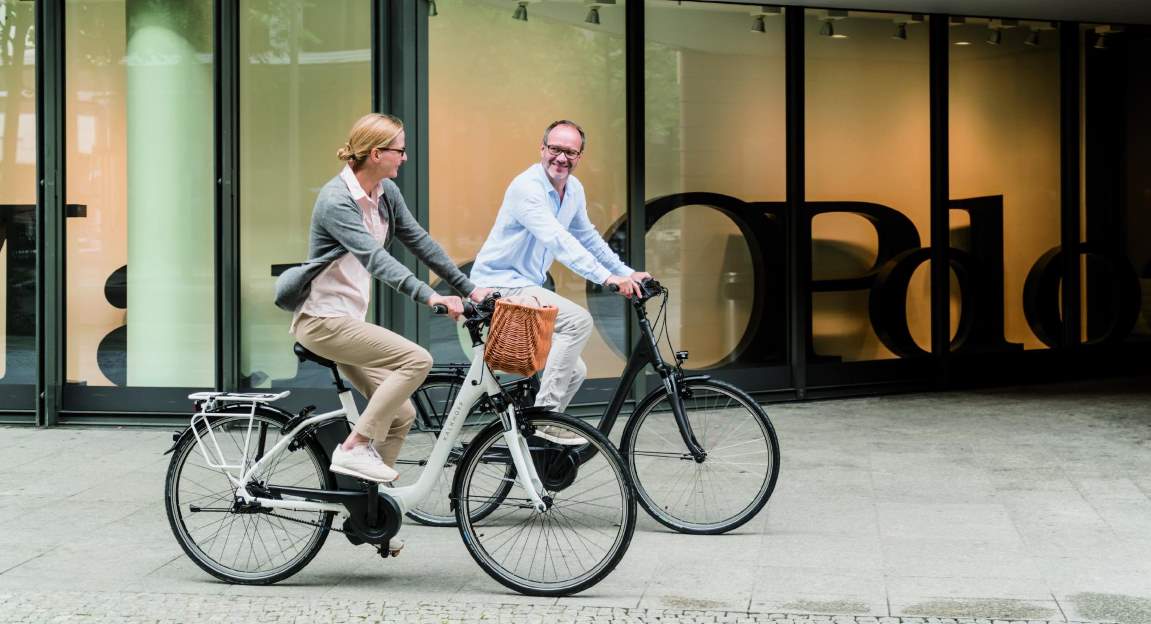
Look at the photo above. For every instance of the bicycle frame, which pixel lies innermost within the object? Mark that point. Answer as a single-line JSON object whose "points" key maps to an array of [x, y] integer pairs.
{"points": [[478, 382], [646, 352]]}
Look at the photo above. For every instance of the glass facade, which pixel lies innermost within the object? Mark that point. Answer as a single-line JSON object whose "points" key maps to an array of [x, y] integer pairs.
{"points": [[714, 177], [17, 203], [191, 164], [867, 102], [476, 146], [305, 78], [139, 228], [1004, 139]]}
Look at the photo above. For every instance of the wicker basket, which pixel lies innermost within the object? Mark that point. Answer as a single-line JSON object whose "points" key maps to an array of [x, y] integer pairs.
{"points": [[520, 335]]}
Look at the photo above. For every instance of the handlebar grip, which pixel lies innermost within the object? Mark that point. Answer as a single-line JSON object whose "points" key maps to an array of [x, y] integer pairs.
{"points": [[613, 287], [439, 309]]}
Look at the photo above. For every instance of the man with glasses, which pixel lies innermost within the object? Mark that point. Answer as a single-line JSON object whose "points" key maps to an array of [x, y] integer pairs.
{"points": [[544, 218]]}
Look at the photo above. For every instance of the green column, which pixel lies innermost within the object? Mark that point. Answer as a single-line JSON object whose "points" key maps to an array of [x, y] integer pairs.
{"points": [[170, 164]]}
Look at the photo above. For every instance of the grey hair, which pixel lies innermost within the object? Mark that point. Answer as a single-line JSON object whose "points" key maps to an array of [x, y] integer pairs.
{"points": [[566, 122]]}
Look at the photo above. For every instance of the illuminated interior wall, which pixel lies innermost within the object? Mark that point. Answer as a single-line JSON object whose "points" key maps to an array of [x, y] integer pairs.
{"points": [[714, 113], [494, 84], [305, 78], [17, 190], [1004, 139], [139, 159], [868, 140]]}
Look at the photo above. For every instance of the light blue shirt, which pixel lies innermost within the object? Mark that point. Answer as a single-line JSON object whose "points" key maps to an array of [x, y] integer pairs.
{"points": [[534, 228]]}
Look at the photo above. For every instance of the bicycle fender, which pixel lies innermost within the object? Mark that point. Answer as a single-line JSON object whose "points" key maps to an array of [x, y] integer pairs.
{"points": [[267, 410]]}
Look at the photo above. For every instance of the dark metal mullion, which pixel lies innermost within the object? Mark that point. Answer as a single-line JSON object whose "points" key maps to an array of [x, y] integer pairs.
{"points": [[396, 45], [226, 68], [1069, 184], [797, 222], [379, 312], [939, 67], [50, 200], [634, 69]]}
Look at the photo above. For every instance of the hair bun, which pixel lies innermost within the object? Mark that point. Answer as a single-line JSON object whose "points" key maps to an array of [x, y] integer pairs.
{"points": [[345, 152]]}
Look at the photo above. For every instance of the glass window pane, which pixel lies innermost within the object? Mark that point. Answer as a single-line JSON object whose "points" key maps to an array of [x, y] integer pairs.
{"points": [[714, 111], [868, 182], [17, 202], [1004, 179], [487, 113], [305, 78], [140, 189], [1117, 183]]}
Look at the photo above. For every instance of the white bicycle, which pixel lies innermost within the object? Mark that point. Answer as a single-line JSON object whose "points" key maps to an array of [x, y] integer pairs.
{"points": [[251, 500]]}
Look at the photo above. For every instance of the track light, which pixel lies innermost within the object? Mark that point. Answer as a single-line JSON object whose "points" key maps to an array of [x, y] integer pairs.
{"points": [[592, 15], [521, 12], [432, 12], [1032, 39], [757, 25], [995, 36], [961, 38], [828, 28], [900, 32], [1100, 42]]}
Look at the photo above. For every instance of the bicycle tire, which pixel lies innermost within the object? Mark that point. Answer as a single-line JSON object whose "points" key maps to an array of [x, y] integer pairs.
{"points": [[187, 486], [585, 532], [730, 486], [433, 399]]}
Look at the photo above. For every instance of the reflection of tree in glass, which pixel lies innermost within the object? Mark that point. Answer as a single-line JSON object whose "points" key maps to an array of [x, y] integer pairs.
{"points": [[282, 22], [16, 38]]}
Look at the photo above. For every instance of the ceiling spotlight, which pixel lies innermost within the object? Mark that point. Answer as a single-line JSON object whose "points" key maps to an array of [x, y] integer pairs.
{"points": [[771, 11], [900, 32], [432, 12], [995, 37], [957, 20], [1032, 39], [592, 15], [1100, 42], [827, 30], [757, 25], [521, 12]]}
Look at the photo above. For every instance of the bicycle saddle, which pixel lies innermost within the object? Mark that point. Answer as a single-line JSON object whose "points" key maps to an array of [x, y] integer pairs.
{"points": [[303, 354]]}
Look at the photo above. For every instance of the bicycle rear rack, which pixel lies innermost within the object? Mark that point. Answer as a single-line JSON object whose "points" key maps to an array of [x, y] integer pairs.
{"points": [[214, 455]]}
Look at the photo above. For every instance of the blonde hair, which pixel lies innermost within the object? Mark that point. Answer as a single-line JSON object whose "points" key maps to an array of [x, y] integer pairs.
{"points": [[370, 131]]}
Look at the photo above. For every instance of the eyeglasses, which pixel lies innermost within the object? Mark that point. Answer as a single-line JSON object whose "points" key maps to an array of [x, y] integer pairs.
{"points": [[400, 150], [556, 150]]}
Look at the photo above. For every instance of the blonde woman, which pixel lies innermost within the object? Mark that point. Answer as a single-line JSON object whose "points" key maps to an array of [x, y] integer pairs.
{"points": [[356, 216]]}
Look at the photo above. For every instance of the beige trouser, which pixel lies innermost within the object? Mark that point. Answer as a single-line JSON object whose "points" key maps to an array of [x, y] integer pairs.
{"points": [[383, 365], [565, 370]]}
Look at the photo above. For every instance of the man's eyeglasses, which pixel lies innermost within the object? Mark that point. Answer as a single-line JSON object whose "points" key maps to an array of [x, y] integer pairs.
{"points": [[400, 150], [556, 150]]}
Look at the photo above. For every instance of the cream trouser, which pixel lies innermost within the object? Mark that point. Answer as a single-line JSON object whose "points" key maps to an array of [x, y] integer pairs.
{"points": [[565, 370], [383, 365]]}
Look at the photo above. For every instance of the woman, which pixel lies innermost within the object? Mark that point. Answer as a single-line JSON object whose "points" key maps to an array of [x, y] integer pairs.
{"points": [[356, 215]]}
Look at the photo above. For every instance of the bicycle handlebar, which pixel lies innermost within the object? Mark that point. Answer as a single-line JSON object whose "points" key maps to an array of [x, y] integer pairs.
{"points": [[650, 288], [439, 309]]}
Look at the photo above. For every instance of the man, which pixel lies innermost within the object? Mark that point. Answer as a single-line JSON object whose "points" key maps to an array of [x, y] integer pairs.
{"points": [[544, 218]]}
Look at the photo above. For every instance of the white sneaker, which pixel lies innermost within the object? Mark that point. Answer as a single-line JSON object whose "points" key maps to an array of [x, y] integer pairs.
{"points": [[560, 435], [395, 545], [362, 462]]}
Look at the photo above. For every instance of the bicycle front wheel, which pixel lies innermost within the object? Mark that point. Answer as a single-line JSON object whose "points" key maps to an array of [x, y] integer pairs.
{"points": [[730, 485], [238, 545], [584, 532]]}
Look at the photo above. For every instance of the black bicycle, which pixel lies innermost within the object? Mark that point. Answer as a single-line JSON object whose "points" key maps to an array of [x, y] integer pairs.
{"points": [[703, 454]]}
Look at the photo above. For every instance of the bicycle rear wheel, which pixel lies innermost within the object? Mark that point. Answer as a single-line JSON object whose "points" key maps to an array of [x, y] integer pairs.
{"points": [[433, 400], [237, 545], [568, 548], [733, 482]]}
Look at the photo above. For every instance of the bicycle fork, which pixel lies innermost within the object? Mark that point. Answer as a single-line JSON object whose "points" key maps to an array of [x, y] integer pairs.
{"points": [[526, 474]]}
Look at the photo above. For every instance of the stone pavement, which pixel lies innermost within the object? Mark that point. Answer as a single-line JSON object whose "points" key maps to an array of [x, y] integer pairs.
{"points": [[1006, 505]]}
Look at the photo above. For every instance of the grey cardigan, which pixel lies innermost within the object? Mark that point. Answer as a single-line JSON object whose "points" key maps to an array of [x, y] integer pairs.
{"points": [[338, 228]]}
